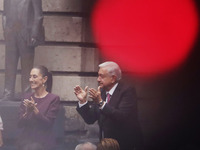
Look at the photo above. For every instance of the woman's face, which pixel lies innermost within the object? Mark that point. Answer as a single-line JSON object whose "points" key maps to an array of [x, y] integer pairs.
{"points": [[36, 79]]}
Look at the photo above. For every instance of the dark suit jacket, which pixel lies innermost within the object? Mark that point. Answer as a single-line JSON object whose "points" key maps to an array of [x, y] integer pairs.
{"points": [[24, 17], [118, 119]]}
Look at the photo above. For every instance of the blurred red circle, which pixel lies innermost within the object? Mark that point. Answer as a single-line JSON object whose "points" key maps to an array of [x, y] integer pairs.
{"points": [[145, 36]]}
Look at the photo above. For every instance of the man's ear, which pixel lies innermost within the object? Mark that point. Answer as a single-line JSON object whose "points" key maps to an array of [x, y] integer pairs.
{"points": [[114, 79]]}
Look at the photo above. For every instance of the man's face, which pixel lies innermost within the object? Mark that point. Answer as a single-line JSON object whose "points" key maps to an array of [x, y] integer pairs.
{"points": [[105, 80]]}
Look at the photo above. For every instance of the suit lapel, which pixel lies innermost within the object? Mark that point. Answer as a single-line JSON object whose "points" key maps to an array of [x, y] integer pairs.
{"points": [[103, 95], [116, 96]]}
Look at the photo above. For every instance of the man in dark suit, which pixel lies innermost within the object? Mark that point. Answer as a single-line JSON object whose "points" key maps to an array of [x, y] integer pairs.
{"points": [[23, 31], [116, 113]]}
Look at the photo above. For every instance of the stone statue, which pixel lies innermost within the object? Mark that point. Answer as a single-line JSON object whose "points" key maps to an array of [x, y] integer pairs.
{"points": [[23, 31]]}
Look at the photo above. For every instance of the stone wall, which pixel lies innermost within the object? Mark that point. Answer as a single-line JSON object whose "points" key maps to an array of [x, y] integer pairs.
{"points": [[72, 57]]}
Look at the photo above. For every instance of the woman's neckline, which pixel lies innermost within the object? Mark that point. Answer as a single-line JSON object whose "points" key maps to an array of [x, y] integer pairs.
{"points": [[42, 96]]}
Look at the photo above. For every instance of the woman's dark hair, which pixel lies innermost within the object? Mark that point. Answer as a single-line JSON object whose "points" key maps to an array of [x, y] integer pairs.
{"points": [[44, 71], [108, 144]]}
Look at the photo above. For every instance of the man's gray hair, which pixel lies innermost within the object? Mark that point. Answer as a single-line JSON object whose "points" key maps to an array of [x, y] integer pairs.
{"points": [[86, 146], [113, 69]]}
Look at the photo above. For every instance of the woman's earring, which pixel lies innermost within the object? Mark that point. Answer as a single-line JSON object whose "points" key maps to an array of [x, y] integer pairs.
{"points": [[43, 84]]}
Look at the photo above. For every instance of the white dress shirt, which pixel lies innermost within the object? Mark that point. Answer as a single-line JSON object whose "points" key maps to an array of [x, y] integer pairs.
{"points": [[1, 124], [111, 93]]}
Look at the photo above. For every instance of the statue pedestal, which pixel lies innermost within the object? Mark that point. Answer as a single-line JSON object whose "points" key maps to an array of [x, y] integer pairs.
{"points": [[9, 111]]}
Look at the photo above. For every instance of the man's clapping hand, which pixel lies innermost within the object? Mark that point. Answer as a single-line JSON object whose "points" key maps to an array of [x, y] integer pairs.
{"points": [[81, 94]]}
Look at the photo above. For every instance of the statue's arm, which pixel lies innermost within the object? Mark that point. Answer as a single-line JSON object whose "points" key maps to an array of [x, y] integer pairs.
{"points": [[5, 5]]}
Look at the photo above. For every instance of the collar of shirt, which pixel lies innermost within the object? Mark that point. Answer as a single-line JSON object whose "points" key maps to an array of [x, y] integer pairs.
{"points": [[1, 124], [112, 89]]}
